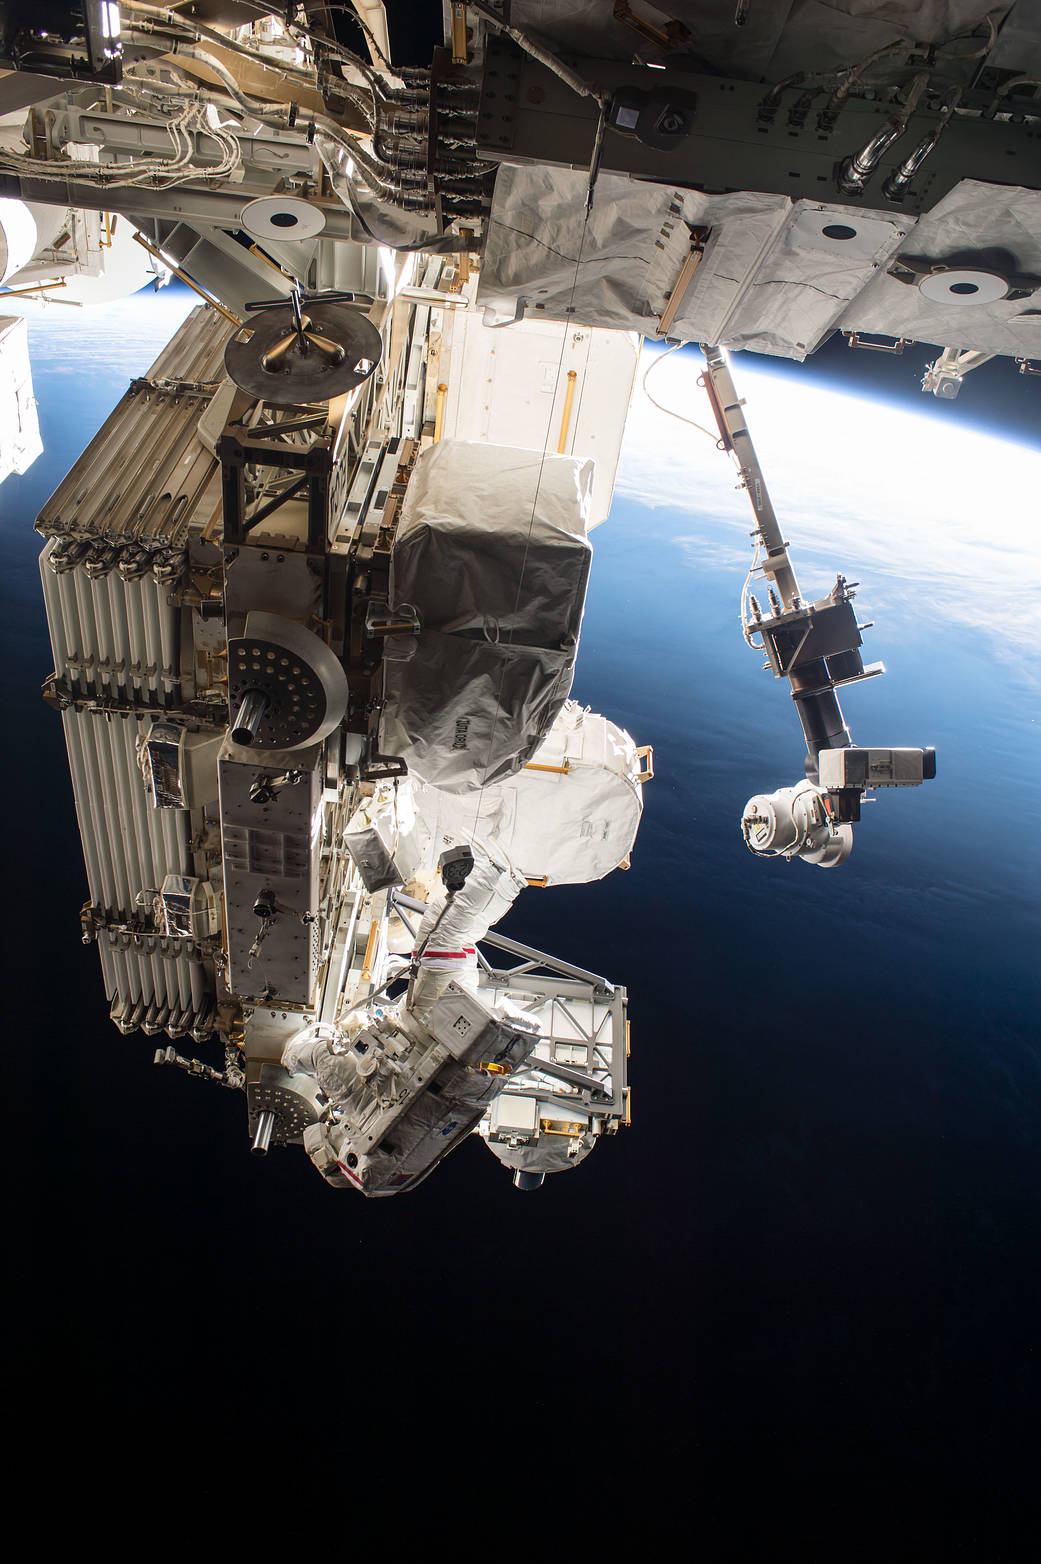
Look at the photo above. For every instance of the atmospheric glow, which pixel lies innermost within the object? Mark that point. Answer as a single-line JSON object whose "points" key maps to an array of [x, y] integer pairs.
{"points": [[912, 508], [68, 339]]}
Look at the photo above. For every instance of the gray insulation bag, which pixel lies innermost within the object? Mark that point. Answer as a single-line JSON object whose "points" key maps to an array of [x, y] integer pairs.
{"points": [[491, 551]]}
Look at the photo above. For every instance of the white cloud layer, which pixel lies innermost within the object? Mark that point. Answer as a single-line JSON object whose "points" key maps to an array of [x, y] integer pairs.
{"points": [[123, 336], [944, 516]]}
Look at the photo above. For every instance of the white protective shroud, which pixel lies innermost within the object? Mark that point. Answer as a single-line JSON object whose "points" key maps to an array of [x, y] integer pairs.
{"points": [[776, 275], [999, 224], [491, 552], [565, 825], [772, 278]]}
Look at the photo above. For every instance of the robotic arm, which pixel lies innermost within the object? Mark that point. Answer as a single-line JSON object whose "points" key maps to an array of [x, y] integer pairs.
{"points": [[816, 647]]}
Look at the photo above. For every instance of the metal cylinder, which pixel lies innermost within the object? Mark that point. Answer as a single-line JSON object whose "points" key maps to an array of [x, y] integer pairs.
{"points": [[250, 715], [262, 1138], [820, 714], [895, 187], [856, 170], [524, 1180]]}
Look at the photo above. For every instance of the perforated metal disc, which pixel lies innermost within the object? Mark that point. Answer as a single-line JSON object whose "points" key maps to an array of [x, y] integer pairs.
{"points": [[303, 376], [293, 1099], [299, 677]]}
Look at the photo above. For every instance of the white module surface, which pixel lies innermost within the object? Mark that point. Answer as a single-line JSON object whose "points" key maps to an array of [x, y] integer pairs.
{"points": [[20, 442]]}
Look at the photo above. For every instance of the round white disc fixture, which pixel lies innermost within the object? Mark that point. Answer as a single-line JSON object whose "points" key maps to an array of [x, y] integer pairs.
{"points": [[839, 231], [964, 287], [282, 217]]}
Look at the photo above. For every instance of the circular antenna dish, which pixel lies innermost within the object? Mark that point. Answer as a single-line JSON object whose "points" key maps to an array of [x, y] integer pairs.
{"points": [[288, 356], [966, 286], [282, 217]]}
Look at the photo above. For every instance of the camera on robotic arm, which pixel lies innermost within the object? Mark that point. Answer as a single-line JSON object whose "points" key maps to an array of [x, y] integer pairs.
{"points": [[815, 647], [814, 820], [454, 866]]}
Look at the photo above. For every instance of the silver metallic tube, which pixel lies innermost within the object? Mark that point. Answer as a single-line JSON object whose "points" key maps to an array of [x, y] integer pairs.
{"points": [[250, 715], [895, 187], [856, 170], [262, 1138]]}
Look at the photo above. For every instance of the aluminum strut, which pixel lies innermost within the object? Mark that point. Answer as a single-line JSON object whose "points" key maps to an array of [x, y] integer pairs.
{"points": [[795, 639], [733, 432]]}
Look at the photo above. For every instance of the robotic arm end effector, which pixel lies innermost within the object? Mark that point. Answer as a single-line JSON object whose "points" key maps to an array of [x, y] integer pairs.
{"points": [[814, 820]]}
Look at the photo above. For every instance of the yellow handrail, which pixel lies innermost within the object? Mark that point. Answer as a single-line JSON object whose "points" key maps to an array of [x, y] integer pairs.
{"points": [[460, 54], [439, 417], [40, 287], [370, 951], [572, 376], [195, 287]]}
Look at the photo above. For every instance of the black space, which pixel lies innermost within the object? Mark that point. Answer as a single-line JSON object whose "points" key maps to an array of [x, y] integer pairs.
{"points": [[416, 30]]}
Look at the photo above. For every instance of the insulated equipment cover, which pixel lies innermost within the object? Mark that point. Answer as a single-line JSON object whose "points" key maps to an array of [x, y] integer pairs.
{"points": [[491, 551]]}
